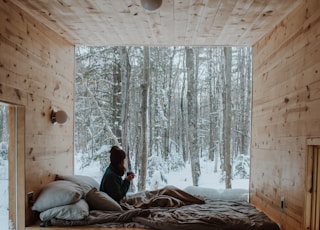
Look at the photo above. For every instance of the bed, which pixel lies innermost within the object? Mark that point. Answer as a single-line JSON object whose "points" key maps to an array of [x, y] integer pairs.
{"points": [[75, 201]]}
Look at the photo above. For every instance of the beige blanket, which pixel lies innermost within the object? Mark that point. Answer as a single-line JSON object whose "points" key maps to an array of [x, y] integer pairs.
{"points": [[168, 196], [171, 208]]}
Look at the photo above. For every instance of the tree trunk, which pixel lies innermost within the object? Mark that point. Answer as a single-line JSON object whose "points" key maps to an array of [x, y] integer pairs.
{"points": [[168, 115], [152, 84], [126, 74], [192, 117], [116, 101], [183, 127], [144, 115], [211, 83], [227, 132]]}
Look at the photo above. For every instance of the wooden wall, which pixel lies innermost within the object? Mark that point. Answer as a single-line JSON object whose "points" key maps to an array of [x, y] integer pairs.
{"points": [[286, 111], [37, 72]]}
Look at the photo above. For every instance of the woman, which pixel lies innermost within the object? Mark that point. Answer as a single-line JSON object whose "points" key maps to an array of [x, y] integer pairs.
{"points": [[112, 182]]}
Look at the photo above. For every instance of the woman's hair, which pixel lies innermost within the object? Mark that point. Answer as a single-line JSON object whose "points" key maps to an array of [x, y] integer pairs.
{"points": [[117, 155]]}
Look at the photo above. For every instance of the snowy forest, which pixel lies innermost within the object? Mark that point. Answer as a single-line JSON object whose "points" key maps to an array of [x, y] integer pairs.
{"points": [[167, 107]]}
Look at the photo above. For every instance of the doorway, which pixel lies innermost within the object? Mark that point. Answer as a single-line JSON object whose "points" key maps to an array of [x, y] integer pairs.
{"points": [[312, 206], [11, 166]]}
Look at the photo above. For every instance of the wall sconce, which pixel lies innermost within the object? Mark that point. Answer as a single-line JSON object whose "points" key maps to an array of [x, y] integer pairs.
{"points": [[151, 5], [58, 117]]}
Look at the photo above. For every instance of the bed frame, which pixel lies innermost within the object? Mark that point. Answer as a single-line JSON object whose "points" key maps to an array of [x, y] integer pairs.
{"points": [[80, 227]]}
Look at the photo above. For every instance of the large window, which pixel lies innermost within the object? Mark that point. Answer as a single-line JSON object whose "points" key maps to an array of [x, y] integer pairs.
{"points": [[182, 114]]}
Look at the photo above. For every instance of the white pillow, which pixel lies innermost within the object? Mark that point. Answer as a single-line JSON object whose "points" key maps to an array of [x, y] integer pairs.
{"points": [[76, 211], [85, 182], [57, 193], [101, 201]]}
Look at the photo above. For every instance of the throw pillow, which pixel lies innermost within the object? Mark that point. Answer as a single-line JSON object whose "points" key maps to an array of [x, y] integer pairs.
{"points": [[57, 193], [85, 182], [98, 200], [76, 211]]}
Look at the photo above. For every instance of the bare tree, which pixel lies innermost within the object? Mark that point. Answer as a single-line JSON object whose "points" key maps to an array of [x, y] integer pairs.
{"points": [[116, 97], [227, 112], [170, 99], [125, 102], [211, 83], [183, 125], [192, 116], [144, 122], [173, 109]]}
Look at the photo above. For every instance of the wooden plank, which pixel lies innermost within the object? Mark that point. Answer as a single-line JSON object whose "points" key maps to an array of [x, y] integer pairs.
{"points": [[313, 141], [120, 23], [181, 19], [301, 26], [12, 160], [47, 17], [242, 19], [26, 74], [269, 45], [12, 95], [153, 21], [16, 27], [308, 192], [305, 59], [21, 173], [220, 21], [282, 124], [167, 17], [195, 9]]}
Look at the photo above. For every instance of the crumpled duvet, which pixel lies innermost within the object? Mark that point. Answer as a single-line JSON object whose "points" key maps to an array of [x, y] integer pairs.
{"points": [[172, 208]]}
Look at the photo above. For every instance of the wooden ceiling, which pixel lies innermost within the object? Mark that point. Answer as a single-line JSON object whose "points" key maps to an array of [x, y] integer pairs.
{"points": [[177, 22]]}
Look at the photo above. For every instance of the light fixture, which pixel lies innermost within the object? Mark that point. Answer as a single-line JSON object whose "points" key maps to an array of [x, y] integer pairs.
{"points": [[151, 5], [58, 117]]}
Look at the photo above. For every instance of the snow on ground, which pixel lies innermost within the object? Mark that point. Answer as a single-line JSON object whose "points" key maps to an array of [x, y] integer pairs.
{"points": [[4, 203], [4, 215], [180, 179]]}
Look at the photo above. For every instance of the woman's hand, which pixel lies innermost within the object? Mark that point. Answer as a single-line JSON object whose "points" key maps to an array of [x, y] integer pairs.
{"points": [[130, 176]]}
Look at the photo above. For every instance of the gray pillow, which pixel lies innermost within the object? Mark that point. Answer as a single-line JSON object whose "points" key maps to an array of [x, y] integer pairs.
{"points": [[101, 201], [57, 193], [85, 182], [76, 211]]}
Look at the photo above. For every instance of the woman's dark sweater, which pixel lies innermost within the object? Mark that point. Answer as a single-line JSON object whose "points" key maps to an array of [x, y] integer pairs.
{"points": [[113, 184]]}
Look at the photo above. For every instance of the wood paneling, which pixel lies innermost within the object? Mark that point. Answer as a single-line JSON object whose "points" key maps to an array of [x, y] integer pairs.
{"points": [[286, 82], [177, 22], [37, 73]]}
